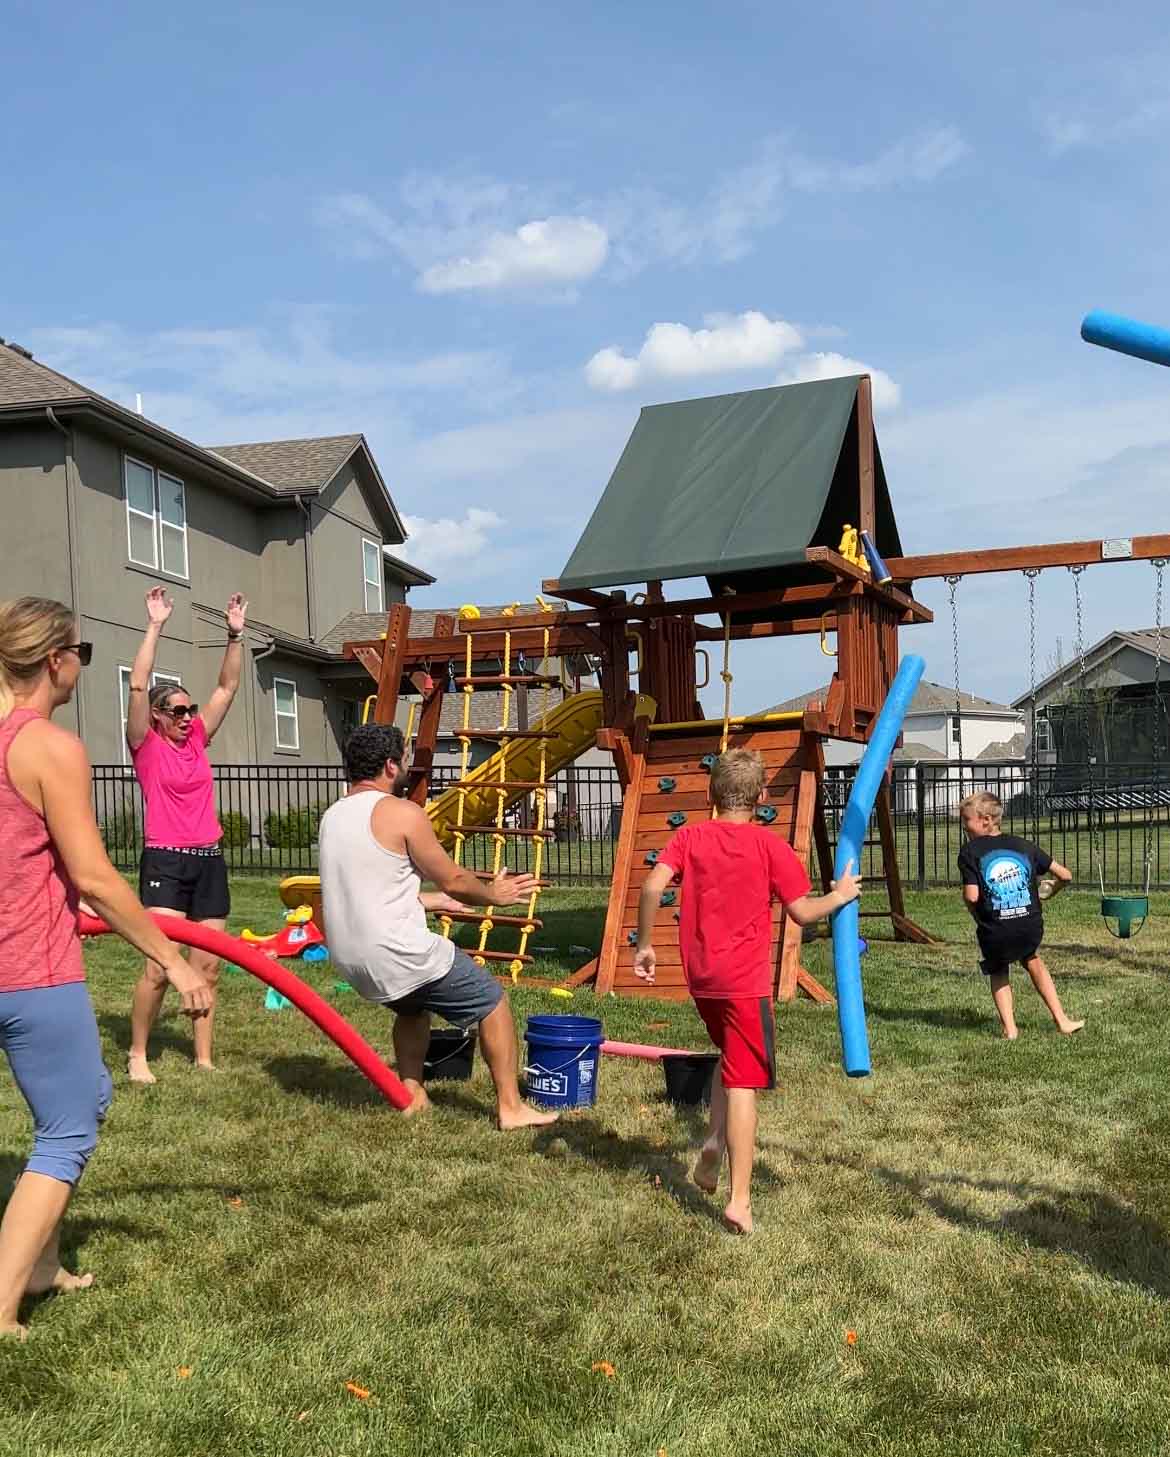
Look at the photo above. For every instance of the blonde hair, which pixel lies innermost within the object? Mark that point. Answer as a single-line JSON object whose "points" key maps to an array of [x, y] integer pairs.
{"points": [[982, 802], [737, 777], [30, 628]]}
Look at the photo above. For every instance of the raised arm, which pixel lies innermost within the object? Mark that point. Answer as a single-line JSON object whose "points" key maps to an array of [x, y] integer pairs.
{"points": [[158, 609], [434, 864], [225, 690], [64, 778]]}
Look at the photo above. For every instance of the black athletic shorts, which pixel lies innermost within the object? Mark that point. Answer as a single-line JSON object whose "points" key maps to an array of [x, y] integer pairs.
{"points": [[192, 882], [1005, 949]]}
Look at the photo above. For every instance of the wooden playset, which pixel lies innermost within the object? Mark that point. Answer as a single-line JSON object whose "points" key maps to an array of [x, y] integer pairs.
{"points": [[776, 497]]}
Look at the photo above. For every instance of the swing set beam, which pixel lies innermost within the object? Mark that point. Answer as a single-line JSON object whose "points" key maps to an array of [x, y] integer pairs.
{"points": [[1020, 558]]}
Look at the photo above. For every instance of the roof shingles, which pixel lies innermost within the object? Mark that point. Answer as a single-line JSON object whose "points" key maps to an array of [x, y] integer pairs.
{"points": [[291, 465]]}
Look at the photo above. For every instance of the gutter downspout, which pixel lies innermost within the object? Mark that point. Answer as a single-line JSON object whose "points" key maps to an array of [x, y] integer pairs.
{"points": [[71, 546], [310, 580], [254, 688]]}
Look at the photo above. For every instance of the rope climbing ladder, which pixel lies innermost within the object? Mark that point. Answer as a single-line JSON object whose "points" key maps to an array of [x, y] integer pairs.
{"points": [[502, 786]]}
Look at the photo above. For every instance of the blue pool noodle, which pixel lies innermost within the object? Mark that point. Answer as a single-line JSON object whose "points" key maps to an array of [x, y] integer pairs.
{"points": [[1127, 336], [846, 950]]}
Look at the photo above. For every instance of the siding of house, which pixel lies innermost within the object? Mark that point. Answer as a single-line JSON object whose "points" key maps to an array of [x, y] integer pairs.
{"points": [[342, 518], [32, 468], [933, 731]]}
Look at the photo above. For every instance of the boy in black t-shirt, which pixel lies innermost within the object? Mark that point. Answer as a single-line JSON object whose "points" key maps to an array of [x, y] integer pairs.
{"points": [[999, 888]]}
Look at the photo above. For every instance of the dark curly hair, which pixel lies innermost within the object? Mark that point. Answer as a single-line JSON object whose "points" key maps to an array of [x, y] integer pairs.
{"points": [[368, 748]]}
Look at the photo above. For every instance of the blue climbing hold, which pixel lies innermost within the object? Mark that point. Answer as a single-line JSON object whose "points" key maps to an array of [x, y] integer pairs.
{"points": [[707, 762], [765, 813], [668, 898], [666, 784], [676, 819], [651, 857], [631, 938]]}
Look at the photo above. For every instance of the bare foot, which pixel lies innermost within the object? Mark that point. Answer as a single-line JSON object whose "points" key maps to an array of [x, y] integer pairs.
{"points": [[523, 1116], [136, 1066], [705, 1174], [1012, 1035], [207, 1067], [15, 1329], [738, 1218], [1068, 1028], [57, 1282]]}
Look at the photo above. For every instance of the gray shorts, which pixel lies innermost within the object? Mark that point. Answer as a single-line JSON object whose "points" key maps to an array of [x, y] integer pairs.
{"points": [[464, 997]]}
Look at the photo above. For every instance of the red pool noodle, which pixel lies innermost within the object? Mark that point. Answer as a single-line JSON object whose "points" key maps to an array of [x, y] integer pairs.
{"points": [[303, 997], [645, 1049]]}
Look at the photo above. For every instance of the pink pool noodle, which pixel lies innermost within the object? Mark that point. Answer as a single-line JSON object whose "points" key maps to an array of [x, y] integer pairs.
{"points": [[646, 1050]]}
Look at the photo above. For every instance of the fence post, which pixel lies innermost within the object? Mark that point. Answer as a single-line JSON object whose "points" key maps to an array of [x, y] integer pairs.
{"points": [[920, 811]]}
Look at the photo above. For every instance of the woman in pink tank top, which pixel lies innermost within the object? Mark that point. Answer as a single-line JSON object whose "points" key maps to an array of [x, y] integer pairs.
{"points": [[182, 871], [51, 853]]}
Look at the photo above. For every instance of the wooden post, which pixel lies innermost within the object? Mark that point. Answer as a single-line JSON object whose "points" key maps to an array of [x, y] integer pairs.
{"points": [[393, 662], [430, 715], [866, 515], [791, 973], [623, 864], [820, 827], [890, 866]]}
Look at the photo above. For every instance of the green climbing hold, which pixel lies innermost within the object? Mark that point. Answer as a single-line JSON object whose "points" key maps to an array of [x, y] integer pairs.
{"points": [[707, 762], [651, 857], [668, 898], [666, 784], [676, 819], [631, 938], [765, 813]]}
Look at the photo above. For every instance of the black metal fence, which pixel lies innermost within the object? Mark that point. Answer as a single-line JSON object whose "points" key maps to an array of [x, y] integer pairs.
{"points": [[270, 814], [1107, 822]]}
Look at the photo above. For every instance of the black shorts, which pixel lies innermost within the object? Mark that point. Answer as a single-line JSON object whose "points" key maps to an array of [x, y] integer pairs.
{"points": [[192, 882], [1003, 951]]}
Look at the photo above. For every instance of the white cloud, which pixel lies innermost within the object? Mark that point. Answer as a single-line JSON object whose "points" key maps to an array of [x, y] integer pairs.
{"points": [[828, 365], [550, 250], [1105, 125], [673, 351], [439, 543], [465, 231]]}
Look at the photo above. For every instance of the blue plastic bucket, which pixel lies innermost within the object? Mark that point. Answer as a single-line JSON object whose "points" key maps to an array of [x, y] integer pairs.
{"points": [[564, 1053]]}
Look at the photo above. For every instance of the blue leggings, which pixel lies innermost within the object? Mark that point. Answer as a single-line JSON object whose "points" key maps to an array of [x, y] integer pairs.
{"points": [[50, 1038]]}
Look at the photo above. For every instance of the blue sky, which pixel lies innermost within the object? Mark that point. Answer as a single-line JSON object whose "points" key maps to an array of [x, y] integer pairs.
{"points": [[486, 235]]}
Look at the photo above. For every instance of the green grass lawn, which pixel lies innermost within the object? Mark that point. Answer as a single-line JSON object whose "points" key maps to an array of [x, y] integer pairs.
{"points": [[990, 1220]]}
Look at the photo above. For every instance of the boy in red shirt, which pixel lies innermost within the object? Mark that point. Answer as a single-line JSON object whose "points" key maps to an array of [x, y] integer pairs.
{"points": [[731, 870]]}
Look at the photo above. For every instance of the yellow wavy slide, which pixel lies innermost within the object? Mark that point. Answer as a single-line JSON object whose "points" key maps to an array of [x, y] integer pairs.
{"points": [[574, 721]]}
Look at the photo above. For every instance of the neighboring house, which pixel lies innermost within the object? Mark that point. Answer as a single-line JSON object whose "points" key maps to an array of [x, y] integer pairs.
{"points": [[1107, 713], [992, 736], [101, 503]]}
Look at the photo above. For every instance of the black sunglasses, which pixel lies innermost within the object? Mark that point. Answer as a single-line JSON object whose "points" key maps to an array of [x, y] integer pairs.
{"points": [[182, 711], [84, 651]]}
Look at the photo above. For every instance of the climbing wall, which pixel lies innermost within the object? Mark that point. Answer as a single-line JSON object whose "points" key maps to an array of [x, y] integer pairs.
{"points": [[668, 781]]}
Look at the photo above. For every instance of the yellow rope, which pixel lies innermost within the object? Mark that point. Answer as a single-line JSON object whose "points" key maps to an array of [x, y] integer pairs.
{"points": [[541, 814], [457, 832], [499, 840], [727, 681]]}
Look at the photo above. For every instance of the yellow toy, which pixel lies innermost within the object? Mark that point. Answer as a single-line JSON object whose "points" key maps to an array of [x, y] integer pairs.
{"points": [[850, 548]]}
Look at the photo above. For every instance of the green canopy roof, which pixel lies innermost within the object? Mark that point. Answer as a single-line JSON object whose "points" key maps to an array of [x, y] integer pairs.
{"points": [[728, 485]]}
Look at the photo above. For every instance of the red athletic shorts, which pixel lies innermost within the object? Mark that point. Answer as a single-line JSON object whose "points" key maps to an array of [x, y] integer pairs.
{"points": [[743, 1030]]}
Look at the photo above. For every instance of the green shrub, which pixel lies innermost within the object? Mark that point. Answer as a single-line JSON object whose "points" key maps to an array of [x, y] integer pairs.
{"points": [[237, 830], [122, 833], [295, 830]]}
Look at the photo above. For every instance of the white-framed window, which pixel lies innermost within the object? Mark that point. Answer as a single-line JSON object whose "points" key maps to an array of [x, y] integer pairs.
{"points": [[156, 517], [284, 697], [124, 700], [1043, 732], [956, 729], [372, 573]]}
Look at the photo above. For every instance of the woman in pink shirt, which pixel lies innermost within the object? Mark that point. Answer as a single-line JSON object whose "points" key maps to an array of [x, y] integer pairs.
{"points": [[182, 871], [51, 853]]}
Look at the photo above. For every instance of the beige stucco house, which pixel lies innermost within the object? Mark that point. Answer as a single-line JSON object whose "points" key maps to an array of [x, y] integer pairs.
{"points": [[101, 503]]}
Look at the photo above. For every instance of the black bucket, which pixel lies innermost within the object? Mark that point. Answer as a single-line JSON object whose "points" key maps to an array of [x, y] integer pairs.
{"points": [[450, 1056], [688, 1077]]}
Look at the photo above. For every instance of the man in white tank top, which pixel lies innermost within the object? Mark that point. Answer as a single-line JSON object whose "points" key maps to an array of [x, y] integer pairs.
{"points": [[376, 848]]}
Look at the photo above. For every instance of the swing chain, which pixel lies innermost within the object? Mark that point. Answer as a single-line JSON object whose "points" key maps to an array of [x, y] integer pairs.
{"points": [[1094, 856], [952, 586], [1032, 573], [1159, 565]]}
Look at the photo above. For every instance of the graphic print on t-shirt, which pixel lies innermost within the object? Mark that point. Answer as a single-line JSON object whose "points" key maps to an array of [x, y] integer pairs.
{"points": [[1007, 876]]}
